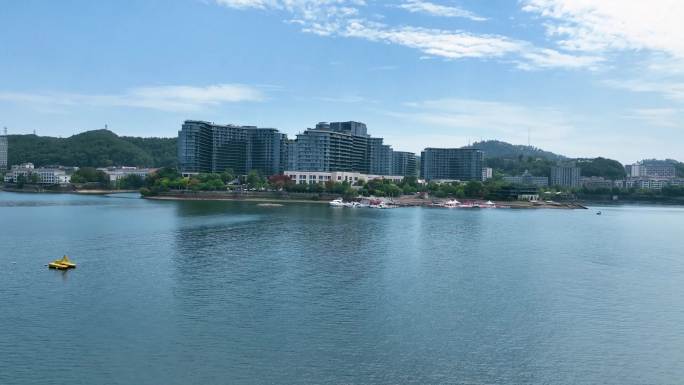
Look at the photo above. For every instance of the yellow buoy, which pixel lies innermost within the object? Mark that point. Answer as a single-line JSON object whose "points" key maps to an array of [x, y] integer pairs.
{"points": [[66, 261], [58, 266], [62, 264]]}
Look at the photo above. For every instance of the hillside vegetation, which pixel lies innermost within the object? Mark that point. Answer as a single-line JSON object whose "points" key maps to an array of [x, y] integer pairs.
{"points": [[98, 148]]}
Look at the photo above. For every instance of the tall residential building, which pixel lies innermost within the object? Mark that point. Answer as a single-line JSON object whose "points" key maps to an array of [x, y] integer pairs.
{"points": [[660, 169], [451, 164], [403, 163], [321, 150], [3, 150], [380, 157], [339, 146], [565, 175], [208, 147]]}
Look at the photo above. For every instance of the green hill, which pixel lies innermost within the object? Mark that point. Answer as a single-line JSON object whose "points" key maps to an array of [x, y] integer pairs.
{"points": [[499, 149], [607, 168], [511, 159], [98, 148]]}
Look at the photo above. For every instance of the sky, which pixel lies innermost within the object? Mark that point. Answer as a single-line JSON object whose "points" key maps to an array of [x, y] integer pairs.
{"points": [[582, 78]]}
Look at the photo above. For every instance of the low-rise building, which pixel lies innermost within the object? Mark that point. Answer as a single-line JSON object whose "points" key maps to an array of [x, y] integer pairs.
{"points": [[596, 182], [43, 175], [313, 177], [527, 179], [117, 173]]}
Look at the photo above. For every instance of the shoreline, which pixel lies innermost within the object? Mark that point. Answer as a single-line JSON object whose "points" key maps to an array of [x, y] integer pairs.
{"points": [[399, 202], [224, 199], [82, 192]]}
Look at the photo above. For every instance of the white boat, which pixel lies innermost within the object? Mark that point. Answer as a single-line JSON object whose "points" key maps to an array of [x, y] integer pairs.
{"points": [[380, 205], [337, 202], [451, 204]]}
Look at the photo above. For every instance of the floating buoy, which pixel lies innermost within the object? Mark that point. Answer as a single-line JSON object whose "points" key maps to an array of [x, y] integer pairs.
{"points": [[62, 264]]}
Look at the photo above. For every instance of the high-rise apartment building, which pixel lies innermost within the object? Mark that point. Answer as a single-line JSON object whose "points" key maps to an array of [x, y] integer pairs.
{"points": [[3, 150], [339, 146], [463, 164], [208, 147], [404, 163], [380, 157], [567, 175], [336, 146]]}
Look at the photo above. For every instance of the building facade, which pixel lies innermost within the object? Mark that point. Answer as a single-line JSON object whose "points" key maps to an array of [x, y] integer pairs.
{"points": [[313, 177], [487, 173], [527, 179], [117, 173], [339, 146], [651, 169], [464, 164], [380, 157], [205, 147], [596, 182], [404, 163], [565, 176], [3, 151], [27, 173]]}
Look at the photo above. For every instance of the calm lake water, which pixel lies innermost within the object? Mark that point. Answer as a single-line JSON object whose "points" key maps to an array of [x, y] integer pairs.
{"points": [[235, 293]]}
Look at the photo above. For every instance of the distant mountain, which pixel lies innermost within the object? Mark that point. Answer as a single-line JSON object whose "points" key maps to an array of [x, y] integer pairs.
{"points": [[98, 148], [511, 159], [499, 149]]}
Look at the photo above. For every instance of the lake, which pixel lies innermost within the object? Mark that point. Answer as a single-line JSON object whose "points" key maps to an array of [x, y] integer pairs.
{"points": [[235, 293]]}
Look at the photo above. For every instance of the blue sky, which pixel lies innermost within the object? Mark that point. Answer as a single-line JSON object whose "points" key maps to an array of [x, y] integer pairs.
{"points": [[583, 77]]}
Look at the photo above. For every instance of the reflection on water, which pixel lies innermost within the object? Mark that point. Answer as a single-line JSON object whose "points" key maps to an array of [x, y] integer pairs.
{"points": [[232, 292]]}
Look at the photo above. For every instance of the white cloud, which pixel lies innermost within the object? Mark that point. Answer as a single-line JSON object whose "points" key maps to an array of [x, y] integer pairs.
{"points": [[447, 44], [341, 18], [419, 6], [673, 90], [165, 98], [598, 25]]}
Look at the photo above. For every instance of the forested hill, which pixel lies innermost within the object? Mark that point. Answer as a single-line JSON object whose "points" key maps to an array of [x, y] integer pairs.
{"points": [[498, 149], [98, 148], [511, 159]]}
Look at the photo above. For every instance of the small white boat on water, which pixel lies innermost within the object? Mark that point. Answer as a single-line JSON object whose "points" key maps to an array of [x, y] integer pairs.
{"points": [[451, 204], [337, 203]]}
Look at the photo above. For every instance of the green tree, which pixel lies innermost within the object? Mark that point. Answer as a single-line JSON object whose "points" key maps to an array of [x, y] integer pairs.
{"points": [[131, 181], [473, 189], [89, 175]]}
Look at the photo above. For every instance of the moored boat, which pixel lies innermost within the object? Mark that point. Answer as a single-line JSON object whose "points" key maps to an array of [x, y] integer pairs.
{"points": [[337, 202]]}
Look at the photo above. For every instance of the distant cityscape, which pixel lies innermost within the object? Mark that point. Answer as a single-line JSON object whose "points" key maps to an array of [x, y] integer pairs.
{"points": [[340, 152]]}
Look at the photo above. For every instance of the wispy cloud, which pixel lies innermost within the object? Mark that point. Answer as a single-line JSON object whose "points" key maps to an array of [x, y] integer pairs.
{"points": [[164, 98], [600, 25], [495, 119], [343, 18], [426, 7], [673, 90]]}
